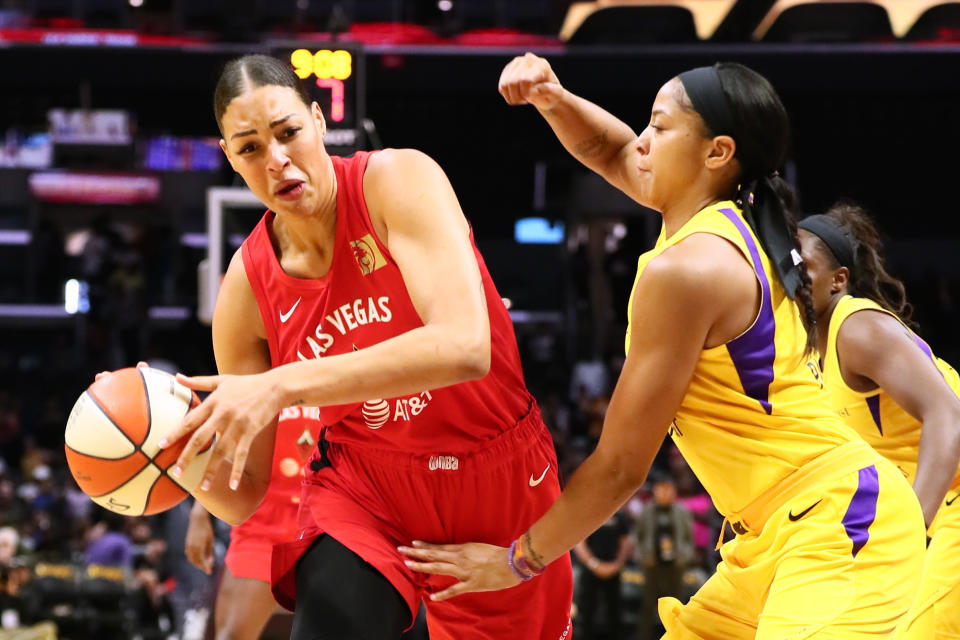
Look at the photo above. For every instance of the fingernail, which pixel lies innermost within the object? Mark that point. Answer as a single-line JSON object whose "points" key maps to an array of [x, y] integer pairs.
{"points": [[205, 486], [417, 543], [177, 471], [234, 483], [408, 563], [401, 548], [433, 597], [163, 443]]}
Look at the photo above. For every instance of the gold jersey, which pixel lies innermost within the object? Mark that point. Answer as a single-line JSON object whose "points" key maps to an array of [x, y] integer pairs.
{"points": [[755, 411], [893, 432]]}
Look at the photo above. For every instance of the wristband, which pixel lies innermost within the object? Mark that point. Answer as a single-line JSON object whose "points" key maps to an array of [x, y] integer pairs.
{"points": [[520, 564]]}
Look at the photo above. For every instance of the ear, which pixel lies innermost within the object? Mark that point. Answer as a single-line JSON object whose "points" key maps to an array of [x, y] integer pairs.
{"points": [[840, 280], [319, 119], [226, 152], [720, 152]]}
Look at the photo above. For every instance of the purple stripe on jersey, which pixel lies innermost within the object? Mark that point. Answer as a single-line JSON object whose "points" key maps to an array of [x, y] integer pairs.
{"points": [[923, 346], [874, 403], [863, 508], [754, 351]]}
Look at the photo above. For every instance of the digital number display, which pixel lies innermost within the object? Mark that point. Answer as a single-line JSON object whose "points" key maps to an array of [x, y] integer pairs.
{"points": [[333, 74], [331, 68]]}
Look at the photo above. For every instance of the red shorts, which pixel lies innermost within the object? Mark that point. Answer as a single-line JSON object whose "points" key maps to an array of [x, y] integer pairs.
{"points": [[371, 501], [251, 543]]}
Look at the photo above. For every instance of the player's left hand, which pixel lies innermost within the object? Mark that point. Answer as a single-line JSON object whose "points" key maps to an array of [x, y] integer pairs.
{"points": [[237, 409], [477, 566]]}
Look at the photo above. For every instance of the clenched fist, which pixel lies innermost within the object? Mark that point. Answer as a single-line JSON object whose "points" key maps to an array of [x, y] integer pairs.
{"points": [[528, 79]]}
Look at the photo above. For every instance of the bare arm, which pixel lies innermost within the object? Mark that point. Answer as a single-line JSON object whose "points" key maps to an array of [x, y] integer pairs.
{"points": [[240, 347], [593, 136], [912, 380], [428, 237], [681, 297]]}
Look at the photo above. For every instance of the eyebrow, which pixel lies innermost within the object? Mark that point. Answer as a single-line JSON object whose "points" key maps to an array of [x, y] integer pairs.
{"points": [[248, 132]]}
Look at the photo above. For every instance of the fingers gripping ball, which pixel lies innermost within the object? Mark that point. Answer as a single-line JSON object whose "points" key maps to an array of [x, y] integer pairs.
{"points": [[111, 441]]}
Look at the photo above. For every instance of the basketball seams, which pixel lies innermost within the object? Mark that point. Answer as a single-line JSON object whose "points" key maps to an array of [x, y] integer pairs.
{"points": [[146, 395], [113, 422], [136, 464], [120, 486]]}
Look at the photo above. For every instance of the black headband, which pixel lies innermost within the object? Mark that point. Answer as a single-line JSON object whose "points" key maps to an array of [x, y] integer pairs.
{"points": [[836, 238], [705, 91]]}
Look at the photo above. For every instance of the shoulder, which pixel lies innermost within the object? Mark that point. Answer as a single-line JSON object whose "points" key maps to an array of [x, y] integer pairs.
{"points": [[866, 340], [393, 170], [865, 328], [702, 265]]}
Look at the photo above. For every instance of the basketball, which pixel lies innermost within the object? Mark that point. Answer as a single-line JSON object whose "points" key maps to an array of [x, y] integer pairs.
{"points": [[112, 437]]}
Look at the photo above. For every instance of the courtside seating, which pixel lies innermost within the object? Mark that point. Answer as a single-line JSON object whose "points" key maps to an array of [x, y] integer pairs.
{"points": [[825, 21], [939, 22], [639, 21]]}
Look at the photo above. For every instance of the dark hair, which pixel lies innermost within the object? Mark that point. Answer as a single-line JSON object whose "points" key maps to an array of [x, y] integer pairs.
{"points": [[868, 276], [752, 114], [249, 72]]}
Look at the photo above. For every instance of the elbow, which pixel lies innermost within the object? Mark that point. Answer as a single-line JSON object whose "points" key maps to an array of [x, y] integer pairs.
{"points": [[473, 358]]}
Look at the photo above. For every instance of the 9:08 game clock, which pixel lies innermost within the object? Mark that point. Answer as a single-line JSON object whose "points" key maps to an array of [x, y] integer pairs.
{"points": [[333, 73]]}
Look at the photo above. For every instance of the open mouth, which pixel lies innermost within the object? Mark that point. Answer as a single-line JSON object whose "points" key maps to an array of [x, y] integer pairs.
{"points": [[289, 188]]}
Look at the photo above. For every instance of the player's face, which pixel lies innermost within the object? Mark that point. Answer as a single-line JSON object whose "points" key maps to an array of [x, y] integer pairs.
{"points": [[275, 142], [819, 269], [669, 154]]}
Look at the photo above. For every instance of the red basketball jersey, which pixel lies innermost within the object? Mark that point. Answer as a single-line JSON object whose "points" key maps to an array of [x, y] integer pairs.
{"points": [[276, 519], [362, 301]]}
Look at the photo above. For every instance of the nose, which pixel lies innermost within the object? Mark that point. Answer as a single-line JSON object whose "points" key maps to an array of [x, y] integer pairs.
{"points": [[278, 157], [642, 143]]}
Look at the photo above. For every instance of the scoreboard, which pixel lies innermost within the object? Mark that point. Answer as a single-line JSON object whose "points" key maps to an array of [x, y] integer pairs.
{"points": [[333, 76]]}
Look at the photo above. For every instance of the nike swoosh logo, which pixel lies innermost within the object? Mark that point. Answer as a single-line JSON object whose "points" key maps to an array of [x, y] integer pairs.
{"points": [[286, 316], [952, 500], [543, 475], [794, 517]]}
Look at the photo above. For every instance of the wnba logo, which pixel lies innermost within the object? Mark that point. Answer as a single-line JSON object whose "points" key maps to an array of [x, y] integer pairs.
{"points": [[447, 463], [375, 413]]}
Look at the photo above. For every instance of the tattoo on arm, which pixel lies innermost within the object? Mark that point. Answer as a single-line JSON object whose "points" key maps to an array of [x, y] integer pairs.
{"points": [[592, 146], [297, 402], [535, 558]]}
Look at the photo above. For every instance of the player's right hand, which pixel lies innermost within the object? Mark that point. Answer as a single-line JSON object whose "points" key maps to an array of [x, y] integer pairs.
{"points": [[199, 543], [528, 79]]}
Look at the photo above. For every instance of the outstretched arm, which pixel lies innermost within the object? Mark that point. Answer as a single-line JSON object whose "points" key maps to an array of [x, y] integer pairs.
{"points": [[911, 379], [592, 135], [676, 304]]}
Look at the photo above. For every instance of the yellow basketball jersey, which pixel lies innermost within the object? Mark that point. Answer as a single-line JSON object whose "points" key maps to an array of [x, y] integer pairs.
{"points": [[755, 411], [893, 432]]}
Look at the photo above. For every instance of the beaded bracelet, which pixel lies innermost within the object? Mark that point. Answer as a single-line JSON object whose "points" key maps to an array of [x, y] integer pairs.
{"points": [[519, 563]]}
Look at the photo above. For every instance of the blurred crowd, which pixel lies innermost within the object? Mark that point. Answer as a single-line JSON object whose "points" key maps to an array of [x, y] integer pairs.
{"points": [[93, 574]]}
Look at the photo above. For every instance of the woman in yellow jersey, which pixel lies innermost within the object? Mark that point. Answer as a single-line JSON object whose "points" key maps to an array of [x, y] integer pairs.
{"points": [[885, 382], [829, 534]]}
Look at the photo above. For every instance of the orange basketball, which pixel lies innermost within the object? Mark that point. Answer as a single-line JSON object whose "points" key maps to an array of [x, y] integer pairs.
{"points": [[111, 441]]}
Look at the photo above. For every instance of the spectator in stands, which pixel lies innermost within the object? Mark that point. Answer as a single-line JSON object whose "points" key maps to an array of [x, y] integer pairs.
{"points": [[108, 544], [602, 554], [665, 535], [9, 543]]}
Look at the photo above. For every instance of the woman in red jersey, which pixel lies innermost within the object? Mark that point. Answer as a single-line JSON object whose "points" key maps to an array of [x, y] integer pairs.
{"points": [[361, 292]]}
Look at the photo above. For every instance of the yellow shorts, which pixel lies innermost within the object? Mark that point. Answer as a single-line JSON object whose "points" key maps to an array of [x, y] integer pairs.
{"points": [[935, 614], [840, 560]]}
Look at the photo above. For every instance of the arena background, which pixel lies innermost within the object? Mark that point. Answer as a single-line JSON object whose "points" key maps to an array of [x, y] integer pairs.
{"points": [[873, 116]]}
